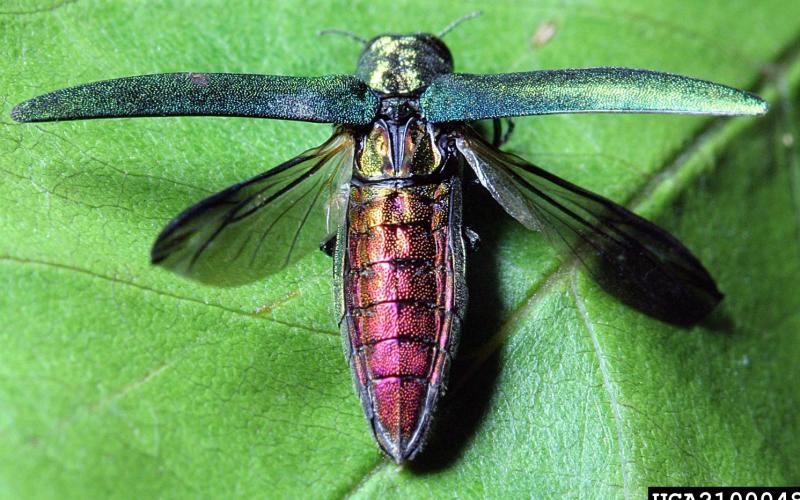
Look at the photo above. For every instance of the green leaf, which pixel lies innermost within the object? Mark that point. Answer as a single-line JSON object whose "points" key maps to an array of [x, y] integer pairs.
{"points": [[120, 379]]}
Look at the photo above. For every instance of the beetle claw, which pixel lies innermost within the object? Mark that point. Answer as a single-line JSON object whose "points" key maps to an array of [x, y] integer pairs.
{"points": [[328, 245], [472, 240]]}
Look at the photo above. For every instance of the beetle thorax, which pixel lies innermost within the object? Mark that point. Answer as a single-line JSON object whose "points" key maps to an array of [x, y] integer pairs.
{"points": [[403, 64], [390, 151]]}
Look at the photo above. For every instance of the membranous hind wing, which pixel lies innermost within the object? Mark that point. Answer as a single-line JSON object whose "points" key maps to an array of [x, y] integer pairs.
{"points": [[631, 257], [628, 256], [259, 226]]}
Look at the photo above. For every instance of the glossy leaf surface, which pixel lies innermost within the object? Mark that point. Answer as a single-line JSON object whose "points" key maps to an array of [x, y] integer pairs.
{"points": [[121, 379]]}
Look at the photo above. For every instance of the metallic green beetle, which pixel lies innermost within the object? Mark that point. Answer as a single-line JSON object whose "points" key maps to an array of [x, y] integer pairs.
{"points": [[389, 182]]}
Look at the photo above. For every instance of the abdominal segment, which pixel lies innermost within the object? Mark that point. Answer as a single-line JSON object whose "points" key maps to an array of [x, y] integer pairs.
{"points": [[403, 296]]}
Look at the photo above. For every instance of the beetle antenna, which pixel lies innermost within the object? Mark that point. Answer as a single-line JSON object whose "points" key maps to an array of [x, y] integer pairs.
{"points": [[348, 34], [450, 27]]}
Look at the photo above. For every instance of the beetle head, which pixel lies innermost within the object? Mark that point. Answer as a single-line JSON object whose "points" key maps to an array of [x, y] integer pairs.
{"points": [[403, 64]]}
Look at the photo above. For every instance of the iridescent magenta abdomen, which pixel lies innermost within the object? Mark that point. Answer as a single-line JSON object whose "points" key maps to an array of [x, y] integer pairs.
{"points": [[403, 295]]}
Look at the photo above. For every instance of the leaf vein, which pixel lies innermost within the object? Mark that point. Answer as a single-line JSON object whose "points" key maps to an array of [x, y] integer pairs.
{"points": [[163, 293], [607, 384]]}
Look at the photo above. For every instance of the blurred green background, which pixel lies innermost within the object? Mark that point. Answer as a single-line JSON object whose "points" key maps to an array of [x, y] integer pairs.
{"points": [[121, 380]]}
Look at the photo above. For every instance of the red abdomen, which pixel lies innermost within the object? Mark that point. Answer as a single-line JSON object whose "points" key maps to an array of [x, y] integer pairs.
{"points": [[403, 295]]}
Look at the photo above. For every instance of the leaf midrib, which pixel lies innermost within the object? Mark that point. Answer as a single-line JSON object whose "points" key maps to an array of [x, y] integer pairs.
{"points": [[608, 383]]}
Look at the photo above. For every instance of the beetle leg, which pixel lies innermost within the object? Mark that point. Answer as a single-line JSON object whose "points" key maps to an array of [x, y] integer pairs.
{"points": [[328, 245], [498, 137], [509, 130], [472, 240]]}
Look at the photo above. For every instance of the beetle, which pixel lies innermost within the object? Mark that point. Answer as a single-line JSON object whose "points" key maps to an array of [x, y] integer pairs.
{"points": [[389, 184]]}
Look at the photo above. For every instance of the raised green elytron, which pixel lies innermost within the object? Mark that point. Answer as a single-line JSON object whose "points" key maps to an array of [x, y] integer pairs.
{"points": [[386, 189]]}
